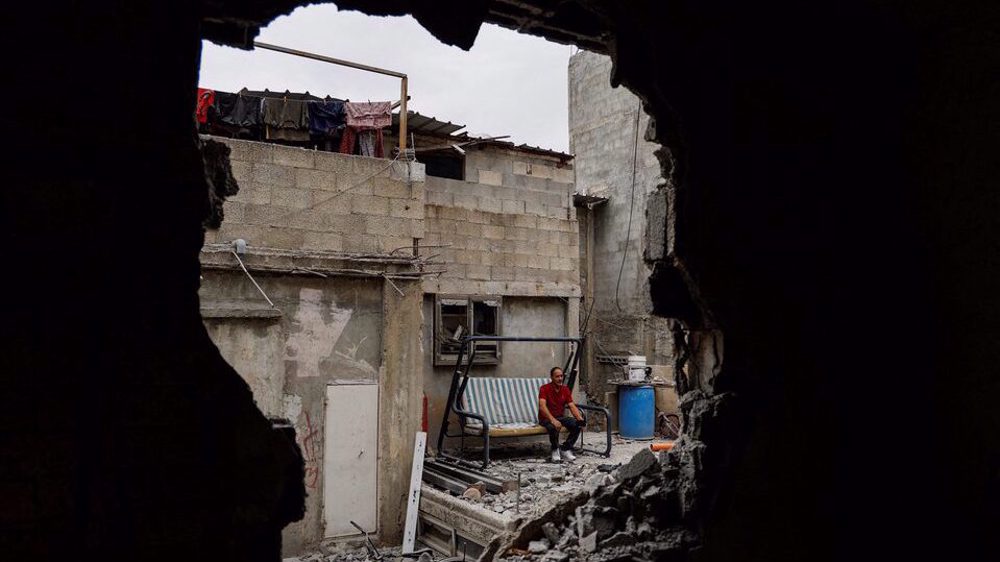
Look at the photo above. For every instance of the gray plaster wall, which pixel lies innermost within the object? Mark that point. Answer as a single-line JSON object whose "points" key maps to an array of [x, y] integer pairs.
{"points": [[535, 317], [329, 331], [607, 128]]}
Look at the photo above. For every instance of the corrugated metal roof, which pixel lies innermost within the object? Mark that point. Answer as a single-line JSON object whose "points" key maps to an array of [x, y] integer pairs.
{"points": [[423, 124]]}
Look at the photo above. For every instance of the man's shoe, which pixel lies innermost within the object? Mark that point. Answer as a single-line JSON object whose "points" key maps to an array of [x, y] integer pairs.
{"points": [[555, 455], [567, 455]]}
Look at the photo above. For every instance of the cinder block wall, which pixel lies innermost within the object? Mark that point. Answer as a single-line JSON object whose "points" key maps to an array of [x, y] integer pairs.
{"points": [[300, 199], [516, 224], [607, 130]]}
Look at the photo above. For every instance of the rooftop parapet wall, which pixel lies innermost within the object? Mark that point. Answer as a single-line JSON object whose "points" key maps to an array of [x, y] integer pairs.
{"points": [[299, 199]]}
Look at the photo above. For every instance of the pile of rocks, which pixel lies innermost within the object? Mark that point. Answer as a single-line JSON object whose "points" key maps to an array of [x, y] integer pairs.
{"points": [[634, 517]]}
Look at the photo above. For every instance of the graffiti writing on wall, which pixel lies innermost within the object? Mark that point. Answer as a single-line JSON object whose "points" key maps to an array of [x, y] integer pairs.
{"points": [[311, 450]]}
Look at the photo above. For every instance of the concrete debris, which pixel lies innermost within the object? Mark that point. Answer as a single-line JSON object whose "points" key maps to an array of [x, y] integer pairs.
{"points": [[634, 515], [538, 547], [556, 556], [473, 494]]}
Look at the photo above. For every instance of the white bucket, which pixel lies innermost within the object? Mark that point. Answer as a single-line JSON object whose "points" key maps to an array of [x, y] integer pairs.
{"points": [[636, 367]]}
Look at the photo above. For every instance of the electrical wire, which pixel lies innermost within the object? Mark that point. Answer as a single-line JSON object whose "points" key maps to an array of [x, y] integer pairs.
{"points": [[631, 208], [252, 280], [342, 191]]}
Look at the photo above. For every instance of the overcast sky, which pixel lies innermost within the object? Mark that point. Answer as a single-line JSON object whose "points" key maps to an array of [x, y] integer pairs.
{"points": [[507, 84]]}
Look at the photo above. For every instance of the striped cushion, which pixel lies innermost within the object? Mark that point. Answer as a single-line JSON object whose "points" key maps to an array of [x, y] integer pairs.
{"points": [[503, 401]]}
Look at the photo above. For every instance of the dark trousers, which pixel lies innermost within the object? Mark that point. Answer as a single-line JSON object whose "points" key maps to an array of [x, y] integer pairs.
{"points": [[572, 426]]}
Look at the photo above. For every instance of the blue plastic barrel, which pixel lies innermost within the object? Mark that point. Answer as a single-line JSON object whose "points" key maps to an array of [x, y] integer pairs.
{"points": [[636, 411]]}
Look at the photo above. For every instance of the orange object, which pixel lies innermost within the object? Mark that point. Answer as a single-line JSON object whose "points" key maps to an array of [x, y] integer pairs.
{"points": [[666, 446]]}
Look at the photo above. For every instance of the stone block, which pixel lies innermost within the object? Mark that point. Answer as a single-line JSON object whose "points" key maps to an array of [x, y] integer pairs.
{"points": [[318, 180], [442, 226], [564, 175], [547, 249], [272, 175], [567, 251], [358, 242], [561, 264], [254, 194], [386, 187], [416, 171], [294, 157], [291, 198], [329, 241], [489, 177], [369, 205]]}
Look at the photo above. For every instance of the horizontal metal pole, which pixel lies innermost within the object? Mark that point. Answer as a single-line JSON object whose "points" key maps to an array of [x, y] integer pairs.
{"points": [[516, 338], [330, 60]]}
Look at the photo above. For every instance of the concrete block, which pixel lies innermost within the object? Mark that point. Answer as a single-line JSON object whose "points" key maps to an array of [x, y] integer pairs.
{"points": [[502, 273], [490, 204], [248, 151], [493, 232], [514, 233], [348, 224], [563, 264], [466, 201], [538, 262], [547, 249], [233, 211], [356, 242], [386, 187], [430, 211], [445, 227], [417, 172], [538, 209], [525, 221], [489, 177], [319, 180], [294, 157], [390, 243], [291, 198], [510, 206], [329, 241], [520, 167], [341, 164], [516, 260], [369, 205], [254, 194], [478, 217], [262, 214], [333, 203], [241, 171], [558, 212], [469, 229], [478, 272], [567, 251], [505, 193], [384, 226], [287, 238], [404, 208], [453, 213], [416, 228], [272, 175], [439, 198], [564, 175], [373, 167], [548, 223]]}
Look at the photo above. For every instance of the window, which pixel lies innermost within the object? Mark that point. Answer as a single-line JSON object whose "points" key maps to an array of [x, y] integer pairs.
{"points": [[459, 316]]}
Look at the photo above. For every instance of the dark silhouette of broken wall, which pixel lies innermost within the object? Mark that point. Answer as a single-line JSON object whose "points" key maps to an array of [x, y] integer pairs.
{"points": [[832, 252]]}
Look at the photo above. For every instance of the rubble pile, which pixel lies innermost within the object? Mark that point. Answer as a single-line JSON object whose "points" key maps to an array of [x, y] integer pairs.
{"points": [[634, 515]]}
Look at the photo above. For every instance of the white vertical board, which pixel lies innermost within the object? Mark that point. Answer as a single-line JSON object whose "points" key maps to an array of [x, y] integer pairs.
{"points": [[413, 498], [350, 465]]}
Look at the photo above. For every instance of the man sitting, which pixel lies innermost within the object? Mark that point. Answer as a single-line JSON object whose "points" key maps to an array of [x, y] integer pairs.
{"points": [[552, 401]]}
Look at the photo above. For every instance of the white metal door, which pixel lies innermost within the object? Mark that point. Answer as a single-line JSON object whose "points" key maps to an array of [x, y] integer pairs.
{"points": [[351, 454]]}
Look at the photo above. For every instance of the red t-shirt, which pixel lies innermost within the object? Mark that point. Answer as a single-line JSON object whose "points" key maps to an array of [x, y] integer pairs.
{"points": [[555, 400]]}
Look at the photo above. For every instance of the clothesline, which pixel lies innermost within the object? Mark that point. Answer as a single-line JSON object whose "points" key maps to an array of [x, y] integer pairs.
{"points": [[244, 114]]}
